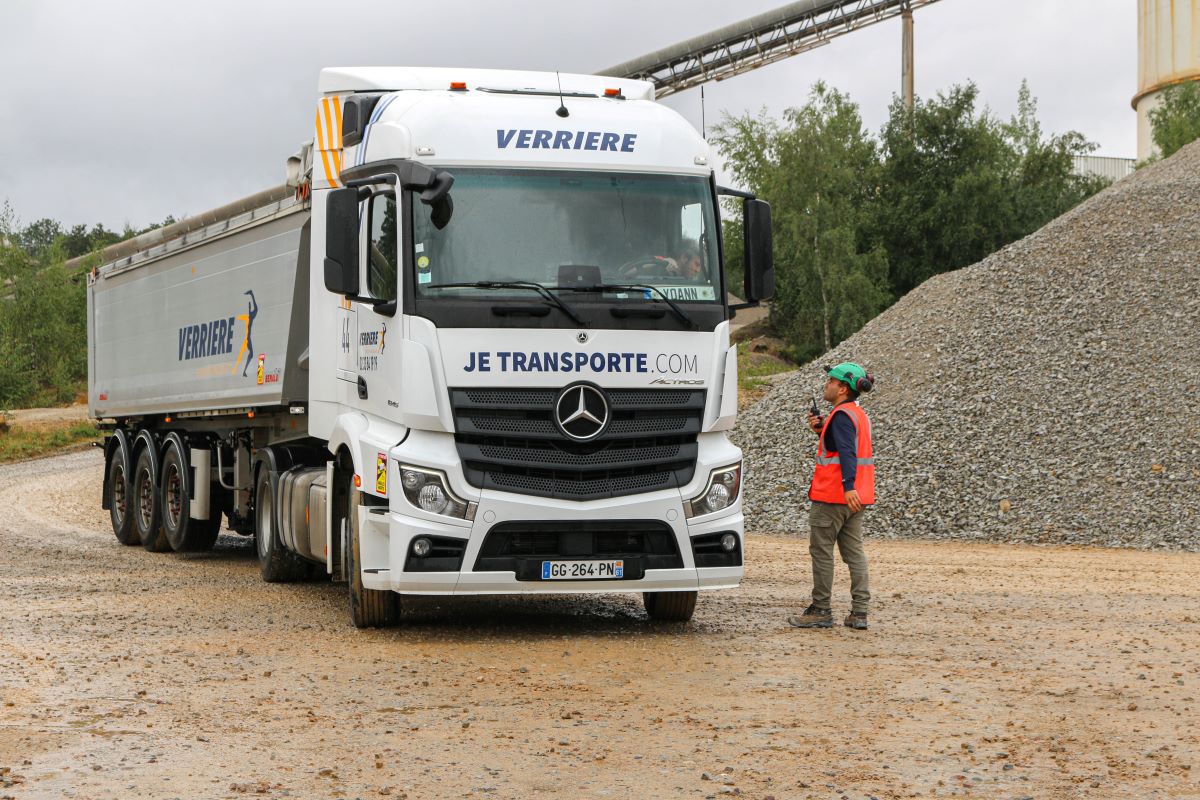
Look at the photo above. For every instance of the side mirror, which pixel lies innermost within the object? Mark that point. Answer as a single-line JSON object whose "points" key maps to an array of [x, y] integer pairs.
{"points": [[436, 194], [341, 241], [759, 251], [441, 212], [437, 187]]}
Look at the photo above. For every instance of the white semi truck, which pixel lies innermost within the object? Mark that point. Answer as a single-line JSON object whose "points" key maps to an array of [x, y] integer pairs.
{"points": [[477, 344]]}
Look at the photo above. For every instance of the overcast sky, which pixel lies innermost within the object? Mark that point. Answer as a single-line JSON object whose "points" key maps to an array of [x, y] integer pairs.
{"points": [[128, 110]]}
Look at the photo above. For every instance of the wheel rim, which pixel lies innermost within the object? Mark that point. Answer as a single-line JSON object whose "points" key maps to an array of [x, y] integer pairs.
{"points": [[119, 498], [145, 499], [263, 511], [174, 497]]}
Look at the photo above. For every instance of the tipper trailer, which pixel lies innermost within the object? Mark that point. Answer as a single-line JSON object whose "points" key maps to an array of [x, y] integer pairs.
{"points": [[477, 344]]}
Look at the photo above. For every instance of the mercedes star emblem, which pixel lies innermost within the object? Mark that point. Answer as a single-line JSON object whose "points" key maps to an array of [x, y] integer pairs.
{"points": [[581, 337], [581, 412]]}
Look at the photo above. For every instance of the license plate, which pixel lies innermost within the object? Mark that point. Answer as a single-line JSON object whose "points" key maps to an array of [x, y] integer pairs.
{"points": [[582, 570]]}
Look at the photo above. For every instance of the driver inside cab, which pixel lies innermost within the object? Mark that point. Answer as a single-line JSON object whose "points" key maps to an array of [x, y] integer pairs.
{"points": [[686, 265]]}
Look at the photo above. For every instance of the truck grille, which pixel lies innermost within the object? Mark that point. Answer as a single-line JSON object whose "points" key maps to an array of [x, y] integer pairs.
{"points": [[508, 441], [521, 547]]}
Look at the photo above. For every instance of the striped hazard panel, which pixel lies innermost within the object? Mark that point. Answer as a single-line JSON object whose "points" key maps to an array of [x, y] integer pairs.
{"points": [[328, 140]]}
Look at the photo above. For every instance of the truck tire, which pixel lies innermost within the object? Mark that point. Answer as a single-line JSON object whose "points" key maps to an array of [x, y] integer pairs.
{"points": [[670, 606], [184, 534], [147, 510], [120, 508], [276, 562], [369, 608]]}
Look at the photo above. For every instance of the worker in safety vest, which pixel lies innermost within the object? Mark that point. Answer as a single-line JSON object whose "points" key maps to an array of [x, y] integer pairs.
{"points": [[843, 485]]}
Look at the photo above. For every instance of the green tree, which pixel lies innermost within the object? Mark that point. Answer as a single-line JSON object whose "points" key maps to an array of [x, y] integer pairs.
{"points": [[956, 184], [38, 237], [43, 333], [817, 168], [79, 240], [1176, 121], [941, 187], [16, 365], [1041, 170], [43, 310]]}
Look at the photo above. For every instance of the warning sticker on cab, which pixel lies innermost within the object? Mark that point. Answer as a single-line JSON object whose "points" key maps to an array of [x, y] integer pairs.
{"points": [[381, 473]]}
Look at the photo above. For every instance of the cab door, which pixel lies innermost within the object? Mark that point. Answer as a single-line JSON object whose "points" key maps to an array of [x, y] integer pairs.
{"points": [[347, 333], [377, 345]]}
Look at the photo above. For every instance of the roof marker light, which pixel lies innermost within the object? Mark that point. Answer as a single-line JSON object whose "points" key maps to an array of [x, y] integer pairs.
{"points": [[458, 86], [612, 93]]}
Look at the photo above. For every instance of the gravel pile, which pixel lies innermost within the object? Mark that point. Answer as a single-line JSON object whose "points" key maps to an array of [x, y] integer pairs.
{"points": [[1046, 394]]}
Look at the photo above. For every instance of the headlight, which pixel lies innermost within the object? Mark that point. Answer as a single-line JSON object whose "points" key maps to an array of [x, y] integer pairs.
{"points": [[428, 490], [720, 492]]}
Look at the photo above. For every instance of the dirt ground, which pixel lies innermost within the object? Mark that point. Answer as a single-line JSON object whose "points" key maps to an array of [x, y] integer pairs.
{"points": [[47, 417], [988, 672]]}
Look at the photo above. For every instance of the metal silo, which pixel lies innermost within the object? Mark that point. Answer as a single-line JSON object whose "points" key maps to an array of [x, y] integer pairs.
{"points": [[1168, 53]]}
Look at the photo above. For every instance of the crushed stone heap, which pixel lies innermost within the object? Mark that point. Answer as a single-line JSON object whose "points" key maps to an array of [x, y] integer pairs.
{"points": [[1046, 394]]}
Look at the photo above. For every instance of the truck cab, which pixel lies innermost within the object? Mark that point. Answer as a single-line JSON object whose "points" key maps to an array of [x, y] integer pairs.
{"points": [[523, 302]]}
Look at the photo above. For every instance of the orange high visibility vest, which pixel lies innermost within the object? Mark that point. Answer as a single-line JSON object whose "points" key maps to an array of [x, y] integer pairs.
{"points": [[827, 477]]}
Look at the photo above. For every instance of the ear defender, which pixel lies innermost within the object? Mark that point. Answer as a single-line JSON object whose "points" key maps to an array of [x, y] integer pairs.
{"points": [[864, 384]]}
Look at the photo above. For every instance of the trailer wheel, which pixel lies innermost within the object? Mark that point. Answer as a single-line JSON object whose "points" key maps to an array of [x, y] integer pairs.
{"points": [[369, 608], [147, 511], [120, 509], [184, 534], [277, 564], [670, 606]]}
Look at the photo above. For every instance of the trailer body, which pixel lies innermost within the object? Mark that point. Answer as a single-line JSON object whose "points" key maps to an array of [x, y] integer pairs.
{"points": [[213, 324]]}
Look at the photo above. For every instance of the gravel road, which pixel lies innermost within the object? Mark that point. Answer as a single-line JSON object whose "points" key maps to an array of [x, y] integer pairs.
{"points": [[993, 671]]}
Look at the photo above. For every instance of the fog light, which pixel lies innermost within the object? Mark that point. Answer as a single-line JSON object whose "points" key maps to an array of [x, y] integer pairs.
{"points": [[421, 547], [433, 499], [729, 543], [717, 497]]}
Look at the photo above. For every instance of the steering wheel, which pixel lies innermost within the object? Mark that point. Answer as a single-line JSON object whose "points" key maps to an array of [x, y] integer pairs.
{"points": [[646, 265]]}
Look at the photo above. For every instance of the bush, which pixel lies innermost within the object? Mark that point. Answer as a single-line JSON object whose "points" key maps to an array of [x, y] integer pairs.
{"points": [[1176, 121]]}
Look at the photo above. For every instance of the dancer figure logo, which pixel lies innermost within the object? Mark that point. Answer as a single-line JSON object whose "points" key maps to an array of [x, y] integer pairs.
{"points": [[247, 344]]}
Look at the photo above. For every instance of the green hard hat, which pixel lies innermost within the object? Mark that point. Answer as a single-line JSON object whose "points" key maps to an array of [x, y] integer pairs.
{"points": [[852, 375]]}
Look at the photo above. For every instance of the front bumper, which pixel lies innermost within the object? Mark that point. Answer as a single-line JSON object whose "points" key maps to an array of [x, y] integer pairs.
{"points": [[388, 536]]}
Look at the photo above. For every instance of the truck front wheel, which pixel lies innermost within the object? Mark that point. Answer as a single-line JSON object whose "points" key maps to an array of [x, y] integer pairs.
{"points": [[147, 511], [277, 563], [670, 606], [369, 608]]}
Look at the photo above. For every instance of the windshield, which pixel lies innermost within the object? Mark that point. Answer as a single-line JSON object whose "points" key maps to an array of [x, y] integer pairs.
{"points": [[557, 228]]}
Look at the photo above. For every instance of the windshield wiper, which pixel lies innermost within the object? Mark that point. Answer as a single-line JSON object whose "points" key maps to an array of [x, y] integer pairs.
{"points": [[533, 287], [628, 287]]}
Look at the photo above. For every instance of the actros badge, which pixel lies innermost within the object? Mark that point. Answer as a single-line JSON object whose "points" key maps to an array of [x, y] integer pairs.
{"points": [[581, 412]]}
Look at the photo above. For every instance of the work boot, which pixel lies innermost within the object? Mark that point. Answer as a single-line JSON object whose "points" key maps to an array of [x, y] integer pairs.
{"points": [[812, 617], [856, 620]]}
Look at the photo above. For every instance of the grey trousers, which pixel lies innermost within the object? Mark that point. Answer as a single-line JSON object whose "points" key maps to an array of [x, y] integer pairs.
{"points": [[831, 524]]}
